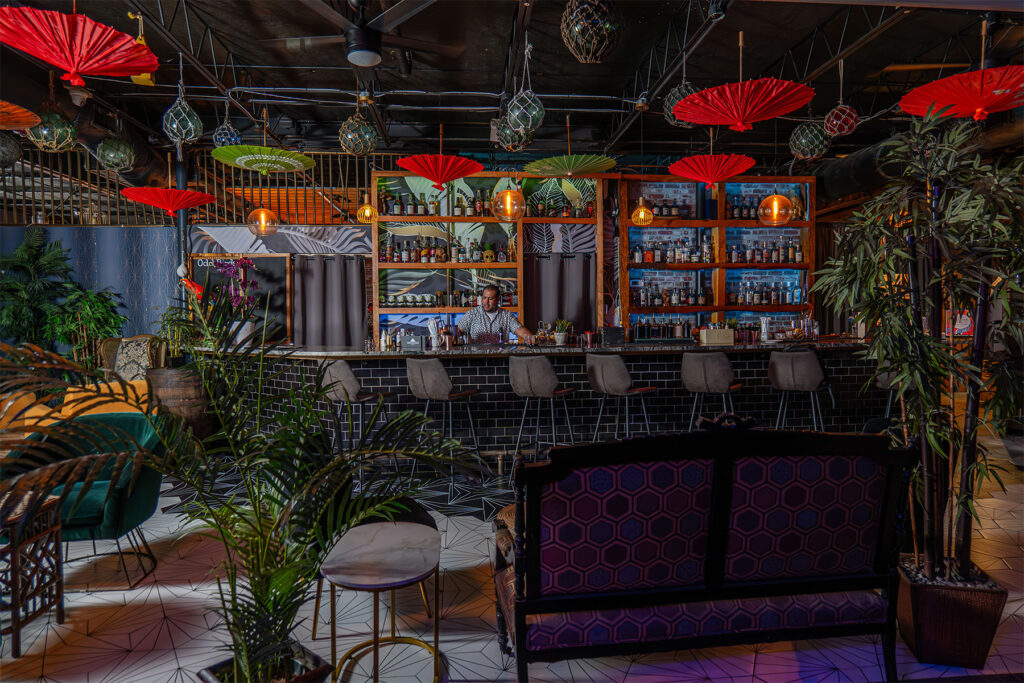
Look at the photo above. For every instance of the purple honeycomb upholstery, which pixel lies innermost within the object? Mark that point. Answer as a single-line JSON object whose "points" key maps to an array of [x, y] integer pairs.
{"points": [[803, 516], [625, 526], [665, 622]]}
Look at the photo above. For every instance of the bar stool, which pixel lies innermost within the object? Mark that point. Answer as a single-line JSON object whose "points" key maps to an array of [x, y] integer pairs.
{"points": [[799, 370], [884, 381], [347, 389], [609, 377], [708, 373], [534, 377], [428, 381]]}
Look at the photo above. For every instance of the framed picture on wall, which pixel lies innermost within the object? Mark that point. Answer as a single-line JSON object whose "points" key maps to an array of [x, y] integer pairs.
{"points": [[274, 274]]}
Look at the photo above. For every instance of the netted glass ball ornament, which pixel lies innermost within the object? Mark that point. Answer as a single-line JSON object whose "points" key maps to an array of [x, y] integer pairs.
{"points": [[589, 29], [262, 222], [181, 123], [225, 134], [114, 154], [10, 149], [510, 139], [842, 120], [672, 98], [525, 111], [54, 133], [809, 141], [357, 136]]}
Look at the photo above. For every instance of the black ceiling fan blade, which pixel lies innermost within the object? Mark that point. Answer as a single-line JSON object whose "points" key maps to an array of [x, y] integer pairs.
{"points": [[304, 42], [452, 51], [328, 13], [396, 14]]}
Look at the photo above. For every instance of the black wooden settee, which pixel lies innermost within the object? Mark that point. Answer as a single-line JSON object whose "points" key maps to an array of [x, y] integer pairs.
{"points": [[699, 540]]}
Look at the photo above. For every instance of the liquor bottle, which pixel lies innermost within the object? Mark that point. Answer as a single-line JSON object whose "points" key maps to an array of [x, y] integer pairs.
{"points": [[396, 206], [675, 209], [788, 300], [657, 252], [766, 295], [737, 206], [459, 207], [478, 252], [440, 253], [478, 204], [775, 252], [590, 208], [648, 253], [798, 257], [791, 252], [757, 296], [656, 209], [775, 294], [638, 254], [487, 204], [748, 253], [427, 252], [798, 295], [437, 207], [707, 255], [757, 253], [502, 256], [541, 209], [728, 205], [675, 297], [691, 297], [421, 208], [702, 298], [468, 208], [734, 255], [566, 211], [512, 247], [390, 258], [643, 297]]}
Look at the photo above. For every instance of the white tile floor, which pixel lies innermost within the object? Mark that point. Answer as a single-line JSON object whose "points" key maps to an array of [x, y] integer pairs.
{"points": [[164, 630]]}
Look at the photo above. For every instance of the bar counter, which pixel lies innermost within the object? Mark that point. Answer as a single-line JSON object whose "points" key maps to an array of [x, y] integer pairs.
{"points": [[497, 409]]}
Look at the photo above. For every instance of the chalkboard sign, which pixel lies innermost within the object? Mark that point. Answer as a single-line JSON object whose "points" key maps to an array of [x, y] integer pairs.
{"points": [[273, 272]]}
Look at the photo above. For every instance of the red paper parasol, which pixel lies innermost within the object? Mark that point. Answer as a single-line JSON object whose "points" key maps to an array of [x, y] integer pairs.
{"points": [[710, 168], [740, 104], [440, 168], [13, 117], [168, 199], [75, 43], [975, 93]]}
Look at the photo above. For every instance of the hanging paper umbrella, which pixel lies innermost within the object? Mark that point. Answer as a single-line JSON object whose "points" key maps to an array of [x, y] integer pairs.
{"points": [[711, 168], [738, 105], [570, 164], [975, 93], [440, 168], [168, 199], [263, 159], [74, 43], [13, 117]]}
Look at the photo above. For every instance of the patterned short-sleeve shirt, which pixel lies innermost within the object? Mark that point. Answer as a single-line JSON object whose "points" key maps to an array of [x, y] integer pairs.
{"points": [[483, 330]]}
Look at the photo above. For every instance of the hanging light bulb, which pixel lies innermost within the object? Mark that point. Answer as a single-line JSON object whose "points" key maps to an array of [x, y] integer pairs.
{"points": [[509, 205], [366, 213], [775, 210], [642, 215], [262, 222]]}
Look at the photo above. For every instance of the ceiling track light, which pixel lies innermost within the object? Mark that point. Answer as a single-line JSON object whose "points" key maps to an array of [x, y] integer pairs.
{"points": [[363, 46]]}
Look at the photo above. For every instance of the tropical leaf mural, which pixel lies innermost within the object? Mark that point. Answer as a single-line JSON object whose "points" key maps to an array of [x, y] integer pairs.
{"points": [[538, 238], [550, 192], [572, 195], [291, 239], [578, 239]]}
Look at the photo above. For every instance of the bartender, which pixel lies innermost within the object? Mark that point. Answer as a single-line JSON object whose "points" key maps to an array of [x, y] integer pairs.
{"points": [[488, 323]]}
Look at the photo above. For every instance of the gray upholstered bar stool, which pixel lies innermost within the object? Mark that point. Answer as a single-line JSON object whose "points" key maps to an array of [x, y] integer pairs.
{"points": [[533, 377], [609, 377], [347, 389], [799, 370], [429, 381], [708, 373]]}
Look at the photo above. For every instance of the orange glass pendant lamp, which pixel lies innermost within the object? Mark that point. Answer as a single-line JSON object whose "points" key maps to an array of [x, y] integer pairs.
{"points": [[775, 210], [262, 222]]}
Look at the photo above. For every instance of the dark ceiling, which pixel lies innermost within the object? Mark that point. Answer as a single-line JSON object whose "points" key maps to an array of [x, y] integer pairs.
{"points": [[309, 91]]}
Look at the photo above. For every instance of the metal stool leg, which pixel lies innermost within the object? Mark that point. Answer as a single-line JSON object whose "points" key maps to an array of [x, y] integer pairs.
{"points": [[643, 409], [522, 422], [600, 414], [627, 416], [888, 405], [618, 413], [778, 415], [693, 411], [536, 434], [472, 428], [554, 424], [568, 424], [316, 605], [814, 414], [725, 406], [732, 409]]}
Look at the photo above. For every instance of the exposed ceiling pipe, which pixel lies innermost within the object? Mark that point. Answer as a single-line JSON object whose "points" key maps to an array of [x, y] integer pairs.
{"points": [[984, 5]]}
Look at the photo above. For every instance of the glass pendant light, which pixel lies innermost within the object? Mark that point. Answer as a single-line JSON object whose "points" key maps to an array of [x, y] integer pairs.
{"points": [[775, 209], [262, 222], [642, 215], [366, 213], [509, 205]]}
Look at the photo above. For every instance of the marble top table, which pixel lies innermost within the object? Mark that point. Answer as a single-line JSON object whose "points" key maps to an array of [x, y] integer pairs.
{"points": [[383, 555]]}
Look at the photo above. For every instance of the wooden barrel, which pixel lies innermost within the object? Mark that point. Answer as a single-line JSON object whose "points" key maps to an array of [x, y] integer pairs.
{"points": [[180, 392]]}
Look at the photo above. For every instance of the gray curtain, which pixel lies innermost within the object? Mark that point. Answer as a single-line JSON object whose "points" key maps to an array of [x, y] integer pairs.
{"points": [[560, 286], [329, 300]]}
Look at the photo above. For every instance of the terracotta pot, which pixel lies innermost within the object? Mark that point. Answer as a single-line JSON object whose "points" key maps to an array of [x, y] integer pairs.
{"points": [[949, 625], [309, 668]]}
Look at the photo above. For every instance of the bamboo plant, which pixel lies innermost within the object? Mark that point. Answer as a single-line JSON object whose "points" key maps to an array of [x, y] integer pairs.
{"points": [[942, 238]]}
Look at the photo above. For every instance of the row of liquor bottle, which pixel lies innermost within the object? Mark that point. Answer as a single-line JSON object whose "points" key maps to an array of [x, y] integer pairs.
{"points": [[670, 209], [744, 206], [652, 327], [432, 250], [765, 294], [649, 295], [407, 204], [457, 298], [702, 250]]}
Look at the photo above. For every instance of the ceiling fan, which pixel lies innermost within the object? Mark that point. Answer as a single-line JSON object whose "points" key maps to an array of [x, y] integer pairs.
{"points": [[363, 37]]}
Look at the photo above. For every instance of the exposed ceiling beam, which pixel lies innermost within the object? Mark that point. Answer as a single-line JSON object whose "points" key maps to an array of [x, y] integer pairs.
{"points": [[524, 9], [971, 5], [856, 45]]}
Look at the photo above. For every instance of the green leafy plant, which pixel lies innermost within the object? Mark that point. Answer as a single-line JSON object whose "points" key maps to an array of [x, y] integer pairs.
{"points": [[86, 318], [299, 489], [562, 325], [34, 279], [942, 238]]}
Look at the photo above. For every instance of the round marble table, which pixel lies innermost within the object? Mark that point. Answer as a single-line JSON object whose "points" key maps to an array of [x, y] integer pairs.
{"points": [[380, 557]]}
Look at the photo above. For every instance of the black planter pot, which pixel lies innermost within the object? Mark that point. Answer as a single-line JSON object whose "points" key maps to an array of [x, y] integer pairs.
{"points": [[308, 667]]}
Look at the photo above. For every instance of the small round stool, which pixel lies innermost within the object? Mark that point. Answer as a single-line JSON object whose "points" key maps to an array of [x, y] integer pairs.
{"points": [[385, 556]]}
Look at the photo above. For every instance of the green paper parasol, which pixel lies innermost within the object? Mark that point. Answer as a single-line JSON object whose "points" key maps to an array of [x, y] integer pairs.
{"points": [[263, 159], [570, 165]]}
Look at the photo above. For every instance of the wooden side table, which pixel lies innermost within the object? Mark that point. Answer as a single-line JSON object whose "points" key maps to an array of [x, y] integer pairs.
{"points": [[381, 557], [33, 579]]}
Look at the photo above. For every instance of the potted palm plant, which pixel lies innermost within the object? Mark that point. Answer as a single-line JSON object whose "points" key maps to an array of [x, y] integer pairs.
{"points": [[85, 319], [298, 491], [33, 283], [940, 241]]}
